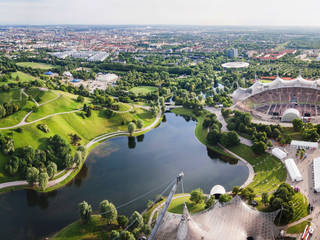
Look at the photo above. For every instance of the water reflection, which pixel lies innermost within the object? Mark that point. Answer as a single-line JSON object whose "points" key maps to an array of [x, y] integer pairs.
{"points": [[140, 138], [39, 199], [132, 142]]}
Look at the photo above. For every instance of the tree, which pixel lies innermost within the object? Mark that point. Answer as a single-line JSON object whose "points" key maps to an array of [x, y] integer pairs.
{"points": [[123, 221], [146, 229], [235, 190], [135, 220], [140, 124], [43, 180], [229, 139], [85, 211], [126, 235], [2, 111], [77, 158], [114, 235], [264, 198], [52, 169], [224, 198], [131, 128], [259, 147], [210, 201], [32, 175], [68, 161], [7, 145], [80, 99], [197, 196], [108, 211], [297, 124]]}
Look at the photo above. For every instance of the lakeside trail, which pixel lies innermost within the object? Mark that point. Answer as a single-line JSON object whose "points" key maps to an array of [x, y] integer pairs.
{"points": [[100, 138]]}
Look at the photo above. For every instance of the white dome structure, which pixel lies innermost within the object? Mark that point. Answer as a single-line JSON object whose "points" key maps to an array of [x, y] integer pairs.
{"points": [[290, 114], [217, 190]]}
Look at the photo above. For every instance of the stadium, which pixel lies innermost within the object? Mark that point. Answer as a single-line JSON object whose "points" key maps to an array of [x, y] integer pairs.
{"points": [[281, 100]]}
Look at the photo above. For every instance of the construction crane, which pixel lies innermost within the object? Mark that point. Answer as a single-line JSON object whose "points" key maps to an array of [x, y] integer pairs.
{"points": [[166, 205]]}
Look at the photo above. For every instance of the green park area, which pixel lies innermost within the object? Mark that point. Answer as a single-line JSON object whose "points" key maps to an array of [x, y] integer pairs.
{"points": [[269, 171], [143, 90], [42, 95], [177, 205], [17, 77], [65, 125], [35, 65], [298, 228], [94, 229]]}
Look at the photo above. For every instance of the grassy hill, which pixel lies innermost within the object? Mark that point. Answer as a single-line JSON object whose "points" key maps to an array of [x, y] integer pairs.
{"points": [[35, 65]]}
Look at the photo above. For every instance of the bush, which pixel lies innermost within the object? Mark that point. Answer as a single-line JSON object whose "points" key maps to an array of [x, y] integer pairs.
{"points": [[43, 128], [224, 198]]}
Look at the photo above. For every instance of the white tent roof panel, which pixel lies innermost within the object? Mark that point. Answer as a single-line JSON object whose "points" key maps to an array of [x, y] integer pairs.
{"points": [[316, 173], [293, 170], [297, 143], [279, 153]]}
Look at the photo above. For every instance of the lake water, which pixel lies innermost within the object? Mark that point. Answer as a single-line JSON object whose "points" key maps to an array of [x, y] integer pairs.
{"points": [[120, 170]]}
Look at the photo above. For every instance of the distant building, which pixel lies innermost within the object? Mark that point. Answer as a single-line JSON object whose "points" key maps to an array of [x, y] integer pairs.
{"points": [[232, 53], [48, 73]]}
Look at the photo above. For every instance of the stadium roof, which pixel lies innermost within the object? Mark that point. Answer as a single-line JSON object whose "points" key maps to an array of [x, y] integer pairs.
{"points": [[259, 86], [234, 220]]}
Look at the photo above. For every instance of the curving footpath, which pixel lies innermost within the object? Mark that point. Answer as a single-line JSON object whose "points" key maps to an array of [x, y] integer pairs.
{"points": [[92, 142]]}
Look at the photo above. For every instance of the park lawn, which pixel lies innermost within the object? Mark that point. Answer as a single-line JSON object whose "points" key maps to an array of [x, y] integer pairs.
{"points": [[61, 104], [269, 171], [295, 135], [94, 229], [123, 107], [43, 95], [35, 65], [300, 207], [177, 205], [23, 77], [13, 95], [143, 90], [266, 81], [298, 228], [73, 123]]}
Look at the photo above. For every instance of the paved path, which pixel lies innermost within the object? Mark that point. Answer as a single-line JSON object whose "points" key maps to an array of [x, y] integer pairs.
{"points": [[93, 141], [217, 112], [23, 121]]}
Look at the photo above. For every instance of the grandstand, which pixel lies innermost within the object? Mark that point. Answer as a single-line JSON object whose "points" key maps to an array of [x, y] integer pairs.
{"points": [[272, 100]]}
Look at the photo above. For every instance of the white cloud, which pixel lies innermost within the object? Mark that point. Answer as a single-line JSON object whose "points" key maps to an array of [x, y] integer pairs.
{"points": [[208, 12]]}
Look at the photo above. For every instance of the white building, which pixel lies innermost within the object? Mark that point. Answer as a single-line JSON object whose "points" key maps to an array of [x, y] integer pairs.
{"points": [[109, 78], [277, 152], [304, 144], [293, 170], [290, 114], [316, 174]]}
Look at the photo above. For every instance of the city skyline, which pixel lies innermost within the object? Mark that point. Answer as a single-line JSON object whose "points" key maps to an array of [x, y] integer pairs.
{"points": [[205, 12]]}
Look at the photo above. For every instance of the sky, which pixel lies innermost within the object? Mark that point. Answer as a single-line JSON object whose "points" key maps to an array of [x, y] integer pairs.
{"points": [[181, 12]]}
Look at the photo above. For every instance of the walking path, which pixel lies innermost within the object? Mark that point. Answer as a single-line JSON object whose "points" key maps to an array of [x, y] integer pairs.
{"points": [[92, 142], [217, 112]]}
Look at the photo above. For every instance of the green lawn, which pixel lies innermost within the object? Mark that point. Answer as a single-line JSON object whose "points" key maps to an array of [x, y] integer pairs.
{"points": [[143, 90], [66, 124], [65, 103], [41, 96], [123, 107], [177, 206], [269, 171], [300, 207], [266, 81], [292, 133], [35, 65], [298, 228], [95, 229], [23, 77]]}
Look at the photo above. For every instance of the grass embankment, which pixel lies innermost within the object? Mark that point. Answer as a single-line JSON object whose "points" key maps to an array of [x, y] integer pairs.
{"points": [[298, 228], [41, 96], [269, 171], [177, 206], [15, 96], [201, 133], [143, 90], [23, 77], [94, 229], [35, 65], [300, 207]]}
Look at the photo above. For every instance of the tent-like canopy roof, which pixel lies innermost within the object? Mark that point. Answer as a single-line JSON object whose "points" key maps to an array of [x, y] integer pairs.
{"points": [[217, 189]]}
